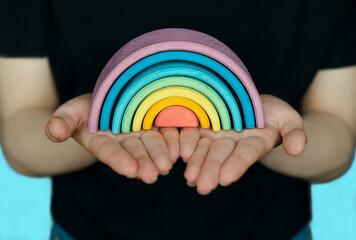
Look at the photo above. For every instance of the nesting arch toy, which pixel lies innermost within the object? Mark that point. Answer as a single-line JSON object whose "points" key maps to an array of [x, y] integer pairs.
{"points": [[174, 64], [174, 68]]}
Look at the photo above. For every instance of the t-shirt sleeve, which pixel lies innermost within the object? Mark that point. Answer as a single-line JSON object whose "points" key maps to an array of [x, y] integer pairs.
{"points": [[342, 48], [23, 28]]}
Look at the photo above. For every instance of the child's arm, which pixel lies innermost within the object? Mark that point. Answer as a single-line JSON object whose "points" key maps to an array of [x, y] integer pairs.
{"points": [[28, 99]]}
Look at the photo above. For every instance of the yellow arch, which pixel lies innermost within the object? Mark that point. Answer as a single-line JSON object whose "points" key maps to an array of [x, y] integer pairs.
{"points": [[176, 91], [164, 103]]}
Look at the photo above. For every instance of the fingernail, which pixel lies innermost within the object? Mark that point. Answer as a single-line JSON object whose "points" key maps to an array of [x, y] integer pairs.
{"points": [[191, 184], [152, 181], [132, 176], [223, 184], [52, 132], [165, 173], [204, 194]]}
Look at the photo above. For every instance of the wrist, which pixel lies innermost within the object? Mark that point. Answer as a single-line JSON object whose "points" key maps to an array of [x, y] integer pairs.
{"points": [[29, 152], [328, 154]]}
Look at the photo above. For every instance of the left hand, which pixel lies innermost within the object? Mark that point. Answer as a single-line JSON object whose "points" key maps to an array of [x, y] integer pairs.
{"points": [[223, 157], [143, 155]]}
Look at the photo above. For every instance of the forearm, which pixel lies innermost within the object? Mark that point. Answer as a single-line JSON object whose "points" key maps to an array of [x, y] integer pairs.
{"points": [[328, 154], [30, 152]]}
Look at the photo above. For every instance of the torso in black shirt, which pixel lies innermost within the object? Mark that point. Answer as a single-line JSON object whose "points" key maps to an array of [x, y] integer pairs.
{"points": [[282, 43], [98, 204]]}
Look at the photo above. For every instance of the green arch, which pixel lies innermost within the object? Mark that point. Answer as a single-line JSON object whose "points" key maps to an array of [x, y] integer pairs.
{"points": [[183, 81]]}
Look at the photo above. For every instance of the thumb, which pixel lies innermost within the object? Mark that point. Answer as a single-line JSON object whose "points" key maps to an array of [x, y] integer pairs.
{"points": [[68, 118], [292, 131], [288, 122], [294, 139]]}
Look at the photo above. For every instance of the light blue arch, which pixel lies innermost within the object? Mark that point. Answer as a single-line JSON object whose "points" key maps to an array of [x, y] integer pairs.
{"points": [[174, 68]]}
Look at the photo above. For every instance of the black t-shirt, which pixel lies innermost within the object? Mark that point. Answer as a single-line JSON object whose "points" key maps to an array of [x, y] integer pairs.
{"points": [[282, 43]]}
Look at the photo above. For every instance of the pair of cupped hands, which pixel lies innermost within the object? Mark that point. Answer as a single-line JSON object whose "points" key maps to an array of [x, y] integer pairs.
{"points": [[212, 158]]}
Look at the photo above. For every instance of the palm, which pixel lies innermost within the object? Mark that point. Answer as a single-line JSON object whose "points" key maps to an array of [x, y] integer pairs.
{"points": [[226, 155], [144, 154]]}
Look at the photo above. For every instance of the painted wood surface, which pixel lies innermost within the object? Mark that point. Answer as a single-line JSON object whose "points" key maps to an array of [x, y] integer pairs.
{"points": [[165, 118], [173, 68], [174, 91], [176, 116]]}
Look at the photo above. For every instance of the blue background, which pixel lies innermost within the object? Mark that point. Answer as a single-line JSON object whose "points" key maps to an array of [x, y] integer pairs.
{"points": [[25, 214]]}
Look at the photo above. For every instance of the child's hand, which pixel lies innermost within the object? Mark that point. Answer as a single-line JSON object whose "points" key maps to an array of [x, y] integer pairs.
{"points": [[143, 155], [223, 157]]}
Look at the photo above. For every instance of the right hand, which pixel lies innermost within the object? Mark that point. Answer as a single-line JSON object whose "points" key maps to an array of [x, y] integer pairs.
{"points": [[143, 155]]}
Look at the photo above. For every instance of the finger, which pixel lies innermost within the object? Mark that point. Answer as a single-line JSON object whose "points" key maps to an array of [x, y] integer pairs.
{"points": [[196, 161], [171, 137], [147, 171], [67, 118], [188, 139], [246, 153], [219, 151], [232, 134], [157, 149], [108, 151]]}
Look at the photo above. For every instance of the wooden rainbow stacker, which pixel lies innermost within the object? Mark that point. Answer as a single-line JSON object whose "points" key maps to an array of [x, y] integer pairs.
{"points": [[175, 78]]}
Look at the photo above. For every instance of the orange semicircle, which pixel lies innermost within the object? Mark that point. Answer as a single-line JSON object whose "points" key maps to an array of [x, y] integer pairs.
{"points": [[164, 103], [176, 116]]}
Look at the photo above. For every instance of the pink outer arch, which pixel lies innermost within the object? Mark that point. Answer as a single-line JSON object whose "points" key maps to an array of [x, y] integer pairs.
{"points": [[164, 35], [103, 87]]}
